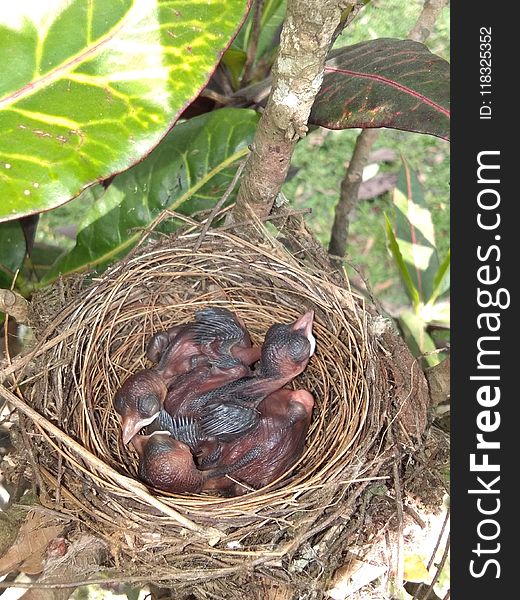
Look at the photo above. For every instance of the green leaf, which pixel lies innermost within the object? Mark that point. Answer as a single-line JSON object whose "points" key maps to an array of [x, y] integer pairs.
{"points": [[435, 314], [441, 280], [234, 59], [40, 261], [398, 258], [272, 19], [89, 87], [417, 338], [385, 83], [12, 251], [273, 12], [415, 569], [188, 172], [415, 233]]}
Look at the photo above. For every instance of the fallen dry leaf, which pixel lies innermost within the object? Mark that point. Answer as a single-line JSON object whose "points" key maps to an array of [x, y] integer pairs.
{"points": [[383, 155], [377, 185], [28, 551], [439, 381]]}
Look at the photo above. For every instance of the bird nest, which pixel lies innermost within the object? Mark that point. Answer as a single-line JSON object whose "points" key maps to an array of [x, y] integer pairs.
{"points": [[294, 530]]}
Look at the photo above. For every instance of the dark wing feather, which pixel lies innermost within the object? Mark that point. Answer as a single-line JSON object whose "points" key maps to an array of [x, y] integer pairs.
{"points": [[184, 429], [226, 421], [213, 323], [243, 461]]}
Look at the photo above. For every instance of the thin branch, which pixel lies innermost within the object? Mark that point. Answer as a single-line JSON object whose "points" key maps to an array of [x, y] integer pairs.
{"points": [[250, 95], [349, 14], [216, 96], [439, 569], [350, 190], [297, 76], [349, 195], [434, 554], [399, 568], [253, 95], [422, 29], [218, 206]]}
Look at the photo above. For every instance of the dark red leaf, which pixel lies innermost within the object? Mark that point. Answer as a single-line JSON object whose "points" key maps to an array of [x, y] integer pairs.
{"points": [[385, 83]]}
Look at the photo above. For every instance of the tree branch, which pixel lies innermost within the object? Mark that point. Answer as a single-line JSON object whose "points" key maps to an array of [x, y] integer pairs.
{"points": [[365, 141], [297, 76], [349, 191], [349, 13], [422, 29]]}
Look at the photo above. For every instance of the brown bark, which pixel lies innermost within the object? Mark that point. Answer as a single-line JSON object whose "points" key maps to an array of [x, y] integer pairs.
{"points": [[297, 76], [426, 21], [365, 141]]}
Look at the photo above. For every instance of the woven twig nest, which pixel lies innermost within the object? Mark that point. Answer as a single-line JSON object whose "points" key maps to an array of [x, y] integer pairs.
{"points": [[99, 337]]}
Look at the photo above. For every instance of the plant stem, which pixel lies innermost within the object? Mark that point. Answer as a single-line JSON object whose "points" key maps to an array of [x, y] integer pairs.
{"points": [[349, 13], [426, 21], [253, 43]]}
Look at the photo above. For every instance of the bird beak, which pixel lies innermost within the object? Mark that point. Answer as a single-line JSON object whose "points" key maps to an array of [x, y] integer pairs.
{"points": [[132, 425], [305, 323]]}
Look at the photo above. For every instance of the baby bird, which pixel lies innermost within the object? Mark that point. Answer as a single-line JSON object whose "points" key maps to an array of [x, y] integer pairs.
{"points": [[189, 386], [268, 450], [230, 410], [139, 401], [167, 464], [160, 341], [217, 337], [227, 412], [208, 353], [224, 338]]}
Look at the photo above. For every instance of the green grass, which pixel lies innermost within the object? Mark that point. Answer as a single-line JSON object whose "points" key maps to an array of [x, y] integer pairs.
{"points": [[322, 158]]}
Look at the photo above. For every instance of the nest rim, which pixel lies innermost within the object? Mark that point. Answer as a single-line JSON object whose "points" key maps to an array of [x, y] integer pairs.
{"points": [[303, 487]]}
